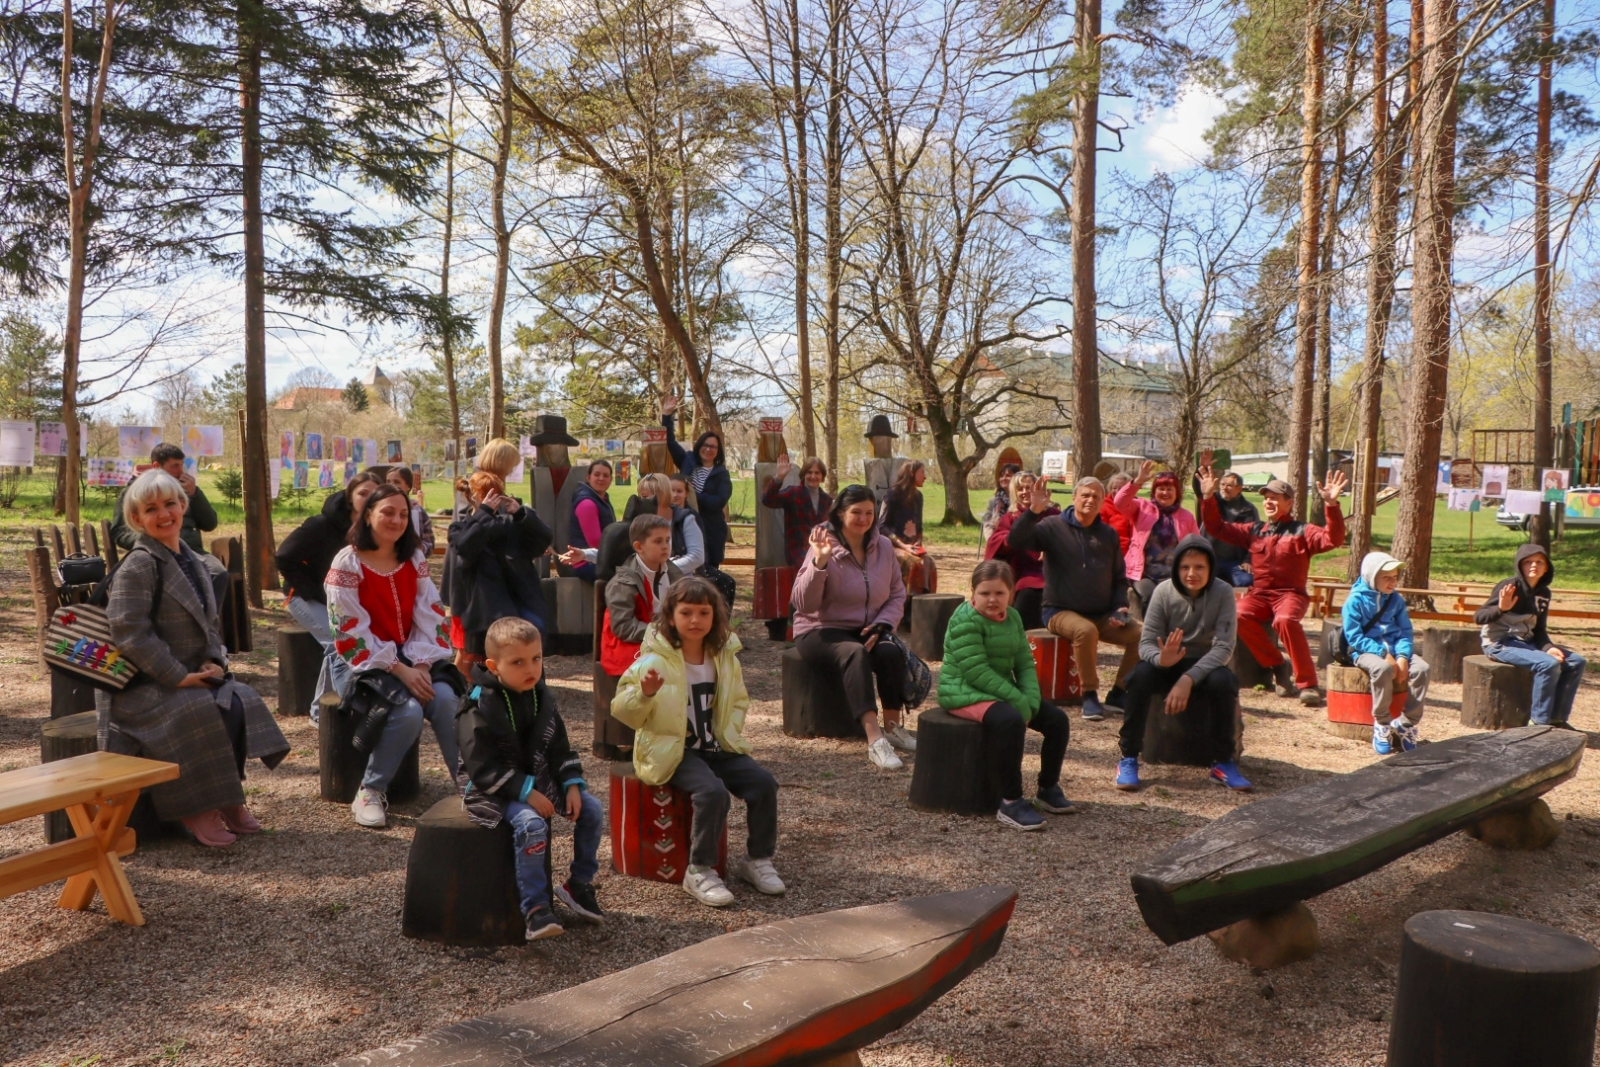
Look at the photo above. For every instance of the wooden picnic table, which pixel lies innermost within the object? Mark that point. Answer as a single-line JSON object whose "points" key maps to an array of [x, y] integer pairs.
{"points": [[97, 791], [1463, 599]]}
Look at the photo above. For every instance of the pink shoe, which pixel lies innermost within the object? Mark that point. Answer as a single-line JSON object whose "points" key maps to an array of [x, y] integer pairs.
{"points": [[238, 819], [209, 829]]}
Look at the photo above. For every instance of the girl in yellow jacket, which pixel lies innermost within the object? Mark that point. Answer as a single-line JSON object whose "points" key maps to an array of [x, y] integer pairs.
{"points": [[686, 701]]}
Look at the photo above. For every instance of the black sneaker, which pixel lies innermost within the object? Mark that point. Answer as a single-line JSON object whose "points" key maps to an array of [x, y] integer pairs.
{"points": [[1113, 700], [579, 899], [1055, 801], [541, 924]]}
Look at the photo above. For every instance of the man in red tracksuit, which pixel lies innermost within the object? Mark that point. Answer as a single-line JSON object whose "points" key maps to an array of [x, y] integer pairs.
{"points": [[1280, 555]]}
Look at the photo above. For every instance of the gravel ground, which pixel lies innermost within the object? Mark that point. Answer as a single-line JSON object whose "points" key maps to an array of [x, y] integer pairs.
{"points": [[286, 948]]}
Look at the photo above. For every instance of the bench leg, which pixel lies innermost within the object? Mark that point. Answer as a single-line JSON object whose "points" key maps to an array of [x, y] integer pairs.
{"points": [[106, 825]]}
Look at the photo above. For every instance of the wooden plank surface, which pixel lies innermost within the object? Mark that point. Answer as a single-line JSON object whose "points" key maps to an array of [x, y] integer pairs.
{"points": [[83, 779], [1269, 854], [795, 991]]}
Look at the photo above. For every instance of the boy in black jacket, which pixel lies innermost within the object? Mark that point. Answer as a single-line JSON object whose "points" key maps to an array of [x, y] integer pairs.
{"points": [[515, 755], [1514, 621]]}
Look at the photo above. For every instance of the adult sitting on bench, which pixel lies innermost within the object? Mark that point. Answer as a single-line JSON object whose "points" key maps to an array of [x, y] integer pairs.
{"points": [[1514, 621], [1085, 585], [1280, 558], [200, 517], [1189, 629]]}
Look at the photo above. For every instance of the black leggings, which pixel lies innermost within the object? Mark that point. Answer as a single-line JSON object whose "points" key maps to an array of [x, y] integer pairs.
{"points": [[1003, 735], [1214, 696], [1030, 605], [233, 722], [843, 654]]}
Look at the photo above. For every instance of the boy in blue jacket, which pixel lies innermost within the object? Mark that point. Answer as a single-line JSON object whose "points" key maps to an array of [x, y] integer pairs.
{"points": [[1377, 631]]}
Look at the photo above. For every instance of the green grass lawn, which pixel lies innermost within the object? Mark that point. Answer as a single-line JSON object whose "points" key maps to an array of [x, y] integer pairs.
{"points": [[1576, 557]]}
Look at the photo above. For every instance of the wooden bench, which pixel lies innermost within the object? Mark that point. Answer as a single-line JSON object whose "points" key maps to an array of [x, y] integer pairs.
{"points": [[1265, 857], [97, 791], [810, 990]]}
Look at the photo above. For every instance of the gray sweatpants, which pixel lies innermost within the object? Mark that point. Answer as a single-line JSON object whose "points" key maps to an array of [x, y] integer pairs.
{"points": [[1381, 674]]}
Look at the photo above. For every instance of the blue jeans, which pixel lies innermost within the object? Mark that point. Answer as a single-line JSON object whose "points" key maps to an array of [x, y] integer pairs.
{"points": [[532, 836], [404, 726], [336, 672], [1239, 579], [1555, 683]]}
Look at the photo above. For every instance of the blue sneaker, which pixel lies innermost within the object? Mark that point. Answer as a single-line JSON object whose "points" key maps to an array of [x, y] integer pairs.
{"points": [[1406, 734], [1054, 801], [1019, 815], [1128, 774], [1382, 744], [1227, 774], [1092, 711]]}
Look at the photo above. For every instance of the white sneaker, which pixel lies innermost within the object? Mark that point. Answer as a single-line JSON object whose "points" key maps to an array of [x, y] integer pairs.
{"points": [[704, 885], [901, 738], [371, 808], [760, 874], [883, 756]]}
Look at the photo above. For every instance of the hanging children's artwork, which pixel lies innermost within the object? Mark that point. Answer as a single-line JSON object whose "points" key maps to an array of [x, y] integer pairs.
{"points": [[391, 452], [314, 447], [286, 448], [325, 475], [302, 474], [339, 449], [202, 440], [134, 442], [1496, 479]]}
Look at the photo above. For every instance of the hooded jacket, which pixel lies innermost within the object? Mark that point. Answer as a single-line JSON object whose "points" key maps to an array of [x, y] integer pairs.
{"points": [[513, 743], [988, 660], [1376, 624], [1209, 619], [661, 722], [1142, 516], [305, 555], [1526, 619], [494, 567], [1084, 571]]}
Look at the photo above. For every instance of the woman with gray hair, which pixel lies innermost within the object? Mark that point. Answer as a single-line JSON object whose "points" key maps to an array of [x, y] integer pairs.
{"points": [[184, 707]]}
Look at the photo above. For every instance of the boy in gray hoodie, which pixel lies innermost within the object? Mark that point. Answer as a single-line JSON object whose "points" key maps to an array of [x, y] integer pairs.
{"points": [[1189, 629]]}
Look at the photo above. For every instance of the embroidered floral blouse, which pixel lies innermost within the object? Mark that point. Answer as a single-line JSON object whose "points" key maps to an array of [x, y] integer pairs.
{"points": [[380, 619]]}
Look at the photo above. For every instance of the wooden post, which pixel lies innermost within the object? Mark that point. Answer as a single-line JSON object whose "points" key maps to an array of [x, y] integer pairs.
{"points": [[769, 521], [43, 586], [109, 542], [1494, 696], [300, 658], [1470, 980]]}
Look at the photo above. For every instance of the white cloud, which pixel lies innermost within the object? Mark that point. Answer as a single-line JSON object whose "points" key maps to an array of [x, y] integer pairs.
{"points": [[1176, 135]]}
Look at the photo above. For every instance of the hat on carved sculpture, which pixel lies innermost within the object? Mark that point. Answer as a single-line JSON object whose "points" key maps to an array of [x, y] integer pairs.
{"points": [[551, 430], [881, 427]]}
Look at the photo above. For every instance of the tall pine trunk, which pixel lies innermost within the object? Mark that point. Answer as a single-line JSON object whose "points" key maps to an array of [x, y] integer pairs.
{"points": [[833, 233], [502, 233], [1305, 341], [1434, 216], [260, 565], [448, 340], [1085, 332], [1332, 212], [802, 236], [1543, 441]]}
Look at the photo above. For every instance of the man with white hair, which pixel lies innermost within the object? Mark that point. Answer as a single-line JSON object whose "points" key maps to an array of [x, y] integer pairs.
{"points": [[1085, 585]]}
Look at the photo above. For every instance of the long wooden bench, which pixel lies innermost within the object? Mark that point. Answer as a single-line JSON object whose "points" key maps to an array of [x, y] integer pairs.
{"points": [[808, 990], [97, 791], [1266, 856]]}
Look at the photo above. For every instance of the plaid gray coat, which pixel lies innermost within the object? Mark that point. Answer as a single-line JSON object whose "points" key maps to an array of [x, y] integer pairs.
{"points": [[156, 719]]}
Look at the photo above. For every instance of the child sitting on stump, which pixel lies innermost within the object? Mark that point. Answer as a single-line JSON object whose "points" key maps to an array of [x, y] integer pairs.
{"points": [[1377, 633], [1189, 630], [515, 754], [989, 677], [635, 590], [1514, 631], [686, 701]]}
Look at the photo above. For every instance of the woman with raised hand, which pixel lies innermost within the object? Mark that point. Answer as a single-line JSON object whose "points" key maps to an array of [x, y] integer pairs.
{"points": [[707, 471], [183, 707], [1027, 565], [386, 614]]}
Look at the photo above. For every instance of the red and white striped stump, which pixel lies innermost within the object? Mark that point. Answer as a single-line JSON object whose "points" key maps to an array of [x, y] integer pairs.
{"points": [[650, 829], [1350, 702], [1058, 674]]}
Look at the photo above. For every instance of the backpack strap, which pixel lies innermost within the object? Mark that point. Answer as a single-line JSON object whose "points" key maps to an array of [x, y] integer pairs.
{"points": [[101, 594]]}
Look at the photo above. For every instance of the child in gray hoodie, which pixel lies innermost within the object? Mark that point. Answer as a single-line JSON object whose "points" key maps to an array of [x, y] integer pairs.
{"points": [[1189, 629]]}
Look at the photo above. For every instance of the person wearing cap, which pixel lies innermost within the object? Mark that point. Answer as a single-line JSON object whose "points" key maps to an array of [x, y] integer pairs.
{"points": [[1280, 549], [1233, 562], [1377, 633], [1158, 525], [1514, 621], [1189, 628]]}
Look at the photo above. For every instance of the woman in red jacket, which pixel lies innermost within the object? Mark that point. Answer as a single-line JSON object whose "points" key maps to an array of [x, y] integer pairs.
{"points": [[1027, 565]]}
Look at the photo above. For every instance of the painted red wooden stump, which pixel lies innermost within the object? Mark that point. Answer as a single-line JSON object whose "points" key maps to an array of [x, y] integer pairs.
{"points": [[1058, 674], [650, 829]]}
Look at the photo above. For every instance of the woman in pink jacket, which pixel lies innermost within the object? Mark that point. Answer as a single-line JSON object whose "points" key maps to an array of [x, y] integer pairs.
{"points": [[847, 595], [1158, 525]]}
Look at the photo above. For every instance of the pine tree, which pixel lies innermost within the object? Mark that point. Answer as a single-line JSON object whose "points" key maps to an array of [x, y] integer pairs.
{"points": [[355, 396]]}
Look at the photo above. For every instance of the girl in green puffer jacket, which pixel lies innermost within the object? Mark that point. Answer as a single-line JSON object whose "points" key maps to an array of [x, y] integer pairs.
{"points": [[988, 677]]}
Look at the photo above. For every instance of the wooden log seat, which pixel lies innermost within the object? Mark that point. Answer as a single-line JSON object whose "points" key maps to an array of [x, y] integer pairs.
{"points": [[1471, 983], [1350, 701], [650, 829], [613, 739], [300, 659], [930, 616], [771, 592], [570, 602], [1262, 857], [76, 735], [341, 766], [70, 693], [809, 990], [1059, 681], [951, 771], [1184, 739], [1446, 649], [1251, 674], [814, 703], [461, 881], [1494, 696]]}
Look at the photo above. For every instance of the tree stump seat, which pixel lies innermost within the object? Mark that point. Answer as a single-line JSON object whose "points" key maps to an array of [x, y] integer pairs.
{"points": [[814, 702], [930, 617], [300, 661], [1350, 701], [1059, 681], [951, 771], [650, 828], [1184, 739], [1250, 673], [1446, 649], [77, 735], [341, 766], [1494, 696], [461, 881]]}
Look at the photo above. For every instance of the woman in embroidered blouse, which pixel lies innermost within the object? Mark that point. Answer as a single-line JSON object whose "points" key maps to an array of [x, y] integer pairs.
{"points": [[385, 615]]}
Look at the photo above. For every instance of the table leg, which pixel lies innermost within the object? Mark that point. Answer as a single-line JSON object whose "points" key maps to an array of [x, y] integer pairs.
{"points": [[106, 824]]}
